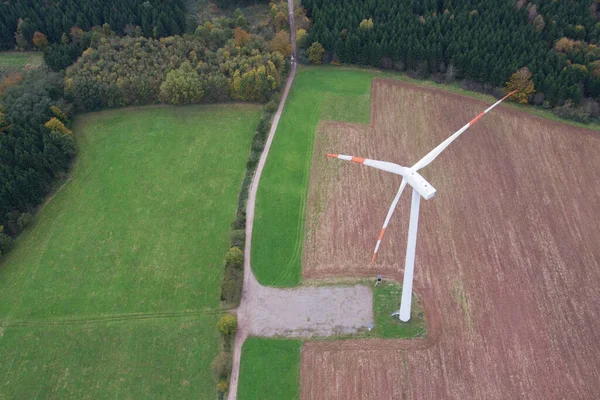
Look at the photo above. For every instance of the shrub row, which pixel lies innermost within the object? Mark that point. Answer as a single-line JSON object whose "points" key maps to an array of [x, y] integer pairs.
{"points": [[221, 365], [233, 278], [231, 286], [258, 144]]}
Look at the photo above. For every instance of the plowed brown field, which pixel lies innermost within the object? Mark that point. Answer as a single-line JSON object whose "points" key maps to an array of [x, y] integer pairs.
{"points": [[508, 254]]}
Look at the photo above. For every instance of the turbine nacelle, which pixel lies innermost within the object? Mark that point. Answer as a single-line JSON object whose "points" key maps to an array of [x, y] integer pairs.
{"points": [[412, 177], [419, 184]]}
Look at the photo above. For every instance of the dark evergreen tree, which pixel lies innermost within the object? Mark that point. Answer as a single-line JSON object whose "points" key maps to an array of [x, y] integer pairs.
{"points": [[54, 18], [484, 40]]}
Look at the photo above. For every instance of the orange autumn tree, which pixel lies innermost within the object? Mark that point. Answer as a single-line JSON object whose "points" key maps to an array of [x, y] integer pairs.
{"points": [[281, 43], [9, 81], [40, 40], [241, 37]]}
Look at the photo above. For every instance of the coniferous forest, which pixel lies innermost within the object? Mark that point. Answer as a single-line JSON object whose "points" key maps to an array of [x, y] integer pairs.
{"points": [[483, 40], [19, 19]]}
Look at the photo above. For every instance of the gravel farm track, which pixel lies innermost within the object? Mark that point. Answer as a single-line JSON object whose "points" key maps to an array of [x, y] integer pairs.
{"points": [[508, 255]]}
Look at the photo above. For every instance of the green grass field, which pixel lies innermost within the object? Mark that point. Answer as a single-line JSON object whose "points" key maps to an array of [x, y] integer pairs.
{"points": [[270, 369], [386, 300], [16, 61], [113, 291], [317, 94]]}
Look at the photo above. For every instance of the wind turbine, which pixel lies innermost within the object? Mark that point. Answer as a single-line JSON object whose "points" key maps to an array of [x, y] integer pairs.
{"points": [[421, 188]]}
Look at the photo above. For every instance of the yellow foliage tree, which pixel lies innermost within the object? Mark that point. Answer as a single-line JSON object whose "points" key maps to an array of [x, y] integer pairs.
{"points": [[522, 82], [301, 37], [58, 113], [223, 386], [236, 84], [315, 53], [56, 125], [566, 45], [366, 24]]}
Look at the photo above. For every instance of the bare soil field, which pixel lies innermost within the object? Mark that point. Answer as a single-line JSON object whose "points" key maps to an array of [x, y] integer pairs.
{"points": [[508, 254]]}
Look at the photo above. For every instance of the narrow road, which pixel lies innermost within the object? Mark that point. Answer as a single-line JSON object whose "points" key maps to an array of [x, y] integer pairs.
{"points": [[242, 331]]}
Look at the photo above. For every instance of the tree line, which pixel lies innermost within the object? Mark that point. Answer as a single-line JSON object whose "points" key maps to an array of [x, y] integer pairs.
{"points": [[20, 19], [219, 62], [36, 146], [483, 40]]}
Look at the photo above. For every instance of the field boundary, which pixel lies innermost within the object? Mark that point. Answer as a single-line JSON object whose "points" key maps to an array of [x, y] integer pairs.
{"points": [[22, 323], [455, 89], [509, 106]]}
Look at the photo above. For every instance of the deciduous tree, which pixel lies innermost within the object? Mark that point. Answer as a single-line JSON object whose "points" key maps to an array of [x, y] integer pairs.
{"points": [[301, 37], [522, 82], [315, 53], [366, 24], [227, 325], [281, 43], [56, 125], [241, 37], [40, 40], [182, 86]]}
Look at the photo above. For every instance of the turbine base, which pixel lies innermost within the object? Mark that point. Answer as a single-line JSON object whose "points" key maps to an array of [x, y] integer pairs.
{"points": [[400, 316]]}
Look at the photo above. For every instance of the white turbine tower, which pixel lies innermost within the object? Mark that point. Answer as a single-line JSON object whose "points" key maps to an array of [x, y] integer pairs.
{"points": [[421, 188]]}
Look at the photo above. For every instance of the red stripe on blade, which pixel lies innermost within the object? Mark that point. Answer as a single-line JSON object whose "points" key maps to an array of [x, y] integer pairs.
{"points": [[331, 155], [476, 118], [358, 160]]}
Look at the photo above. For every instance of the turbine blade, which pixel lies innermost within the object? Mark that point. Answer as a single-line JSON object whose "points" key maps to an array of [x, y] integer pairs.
{"points": [[388, 217], [442, 146], [382, 165], [409, 263]]}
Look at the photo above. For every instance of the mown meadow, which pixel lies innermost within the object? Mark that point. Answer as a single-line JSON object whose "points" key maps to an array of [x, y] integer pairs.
{"points": [[114, 289]]}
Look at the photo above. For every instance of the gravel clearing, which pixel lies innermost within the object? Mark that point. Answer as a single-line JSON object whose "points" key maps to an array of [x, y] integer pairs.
{"points": [[305, 312]]}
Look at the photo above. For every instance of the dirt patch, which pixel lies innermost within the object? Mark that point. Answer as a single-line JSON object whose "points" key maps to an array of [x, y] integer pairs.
{"points": [[306, 312], [508, 255]]}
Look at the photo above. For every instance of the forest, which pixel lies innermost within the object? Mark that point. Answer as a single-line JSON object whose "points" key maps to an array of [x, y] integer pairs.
{"points": [[20, 19], [209, 66], [219, 62], [483, 40], [112, 54], [36, 146]]}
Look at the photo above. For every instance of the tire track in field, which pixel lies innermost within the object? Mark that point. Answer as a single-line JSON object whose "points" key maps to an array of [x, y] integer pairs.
{"points": [[26, 275], [296, 254], [108, 318]]}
